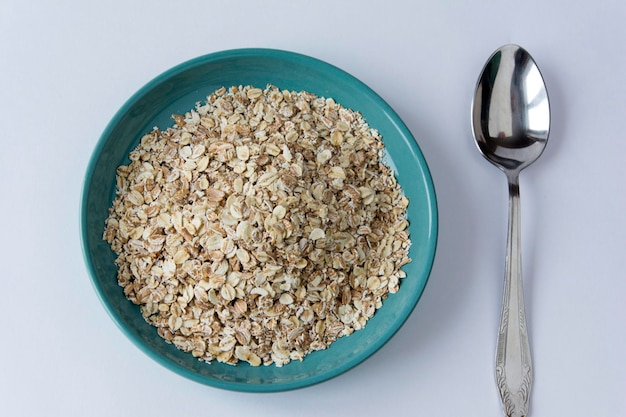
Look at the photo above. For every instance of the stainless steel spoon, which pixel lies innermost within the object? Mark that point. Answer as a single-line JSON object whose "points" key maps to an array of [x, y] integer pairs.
{"points": [[511, 124]]}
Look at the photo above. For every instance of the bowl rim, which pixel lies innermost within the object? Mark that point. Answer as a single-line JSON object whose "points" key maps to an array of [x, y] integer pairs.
{"points": [[277, 54]]}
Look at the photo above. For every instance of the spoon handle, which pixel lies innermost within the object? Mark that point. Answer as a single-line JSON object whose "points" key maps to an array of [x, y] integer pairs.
{"points": [[513, 363]]}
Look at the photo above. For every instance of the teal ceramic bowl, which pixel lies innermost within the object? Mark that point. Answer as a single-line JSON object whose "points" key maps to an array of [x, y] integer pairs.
{"points": [[177, 91]]}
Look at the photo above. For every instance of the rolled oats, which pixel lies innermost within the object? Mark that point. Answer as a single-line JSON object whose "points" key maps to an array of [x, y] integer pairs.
{"points": [[261, 227]]}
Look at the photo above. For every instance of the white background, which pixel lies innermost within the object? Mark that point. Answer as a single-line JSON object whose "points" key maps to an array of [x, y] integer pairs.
{"points": [[65, 69]]}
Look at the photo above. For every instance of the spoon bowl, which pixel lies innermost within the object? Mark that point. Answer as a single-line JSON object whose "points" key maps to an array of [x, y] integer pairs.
{"points": [[511, 111], [511, 124]]}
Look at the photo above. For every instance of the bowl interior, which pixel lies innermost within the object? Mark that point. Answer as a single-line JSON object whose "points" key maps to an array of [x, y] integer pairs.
{"points": [[177, 91]]}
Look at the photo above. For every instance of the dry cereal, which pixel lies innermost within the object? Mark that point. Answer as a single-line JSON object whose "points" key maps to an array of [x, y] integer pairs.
{"points": [[261, 227]]}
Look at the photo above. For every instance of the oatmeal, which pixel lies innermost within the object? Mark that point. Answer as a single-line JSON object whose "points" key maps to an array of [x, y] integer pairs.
{"points": [[260, 227]]}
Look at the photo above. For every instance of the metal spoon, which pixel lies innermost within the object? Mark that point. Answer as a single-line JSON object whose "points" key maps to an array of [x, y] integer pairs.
{"points": [[511, 124]]}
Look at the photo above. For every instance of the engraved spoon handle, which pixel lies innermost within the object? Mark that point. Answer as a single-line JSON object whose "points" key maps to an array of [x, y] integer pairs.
{"points": [[513, 362]]}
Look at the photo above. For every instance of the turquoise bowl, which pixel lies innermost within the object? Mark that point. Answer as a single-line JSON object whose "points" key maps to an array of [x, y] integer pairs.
{"points": [[177, 91]]}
